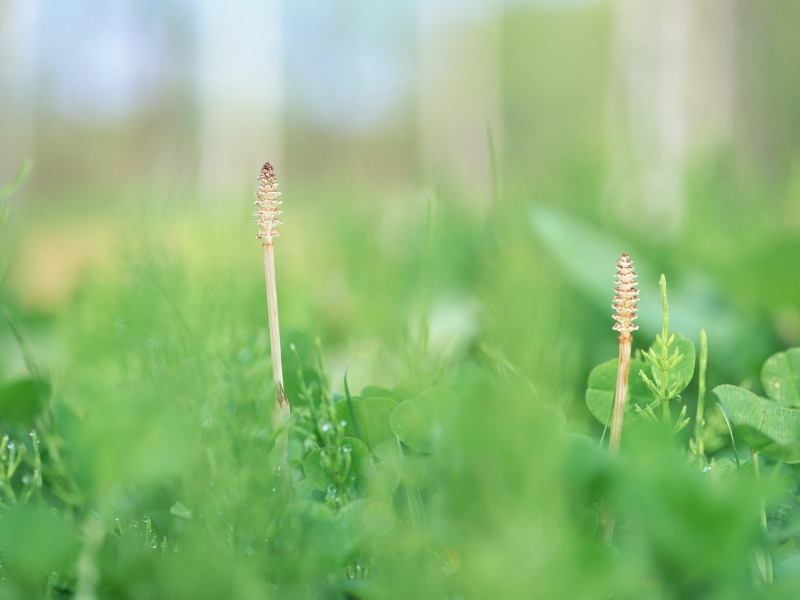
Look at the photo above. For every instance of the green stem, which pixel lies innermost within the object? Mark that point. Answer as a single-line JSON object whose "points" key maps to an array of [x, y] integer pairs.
{"points": [[664, 309], [665, 412], [700, 422], [768, 576]]}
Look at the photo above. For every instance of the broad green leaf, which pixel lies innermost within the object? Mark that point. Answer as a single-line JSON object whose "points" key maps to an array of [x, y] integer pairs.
{"points": [[373, 391], [774, 432], [602, 384], [35, 542], [387, 450], [722, 467], [22, 401], [380, 481], [350, 523], [743, 406], [744, 410], [305, 490], [419, 423], [781, 377], [416, 471], [378, 518], [317, 475], [782, 425], [783, 513], [372, 415]]}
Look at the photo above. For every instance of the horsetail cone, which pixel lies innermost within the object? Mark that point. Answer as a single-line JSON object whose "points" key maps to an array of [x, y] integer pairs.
{"points": [[267, 195], [625, 300], [267, 214]]}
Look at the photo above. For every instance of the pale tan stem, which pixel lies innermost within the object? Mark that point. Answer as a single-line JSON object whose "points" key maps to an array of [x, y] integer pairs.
{"points": [[280, 411], [607, 517], [620, 394], [272, 307]]}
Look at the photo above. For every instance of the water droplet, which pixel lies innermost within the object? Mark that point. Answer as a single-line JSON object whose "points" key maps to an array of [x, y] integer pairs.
{"points": [[154, 542], [343, 423], [10, 445], [325, 427], [54, 510], [347, 448], [207, 423], [32, 433], [706, 469], [249, 550]]}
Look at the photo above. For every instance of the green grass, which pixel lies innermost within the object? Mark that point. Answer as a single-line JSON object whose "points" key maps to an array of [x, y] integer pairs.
{"points": [[475, 469]]}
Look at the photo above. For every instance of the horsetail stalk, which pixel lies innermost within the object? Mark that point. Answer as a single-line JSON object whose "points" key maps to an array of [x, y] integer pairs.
{"points": [[625, 309], [625, 300], [267, 214]]}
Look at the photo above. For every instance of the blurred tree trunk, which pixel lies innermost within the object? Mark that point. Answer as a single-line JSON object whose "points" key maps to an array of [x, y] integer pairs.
{"points": [[240, 93], [675, 97], [653, 63], [459, 90], [18, 77]]}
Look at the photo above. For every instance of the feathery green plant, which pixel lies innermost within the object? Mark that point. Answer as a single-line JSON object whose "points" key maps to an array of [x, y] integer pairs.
{"points": [[664, 358]]}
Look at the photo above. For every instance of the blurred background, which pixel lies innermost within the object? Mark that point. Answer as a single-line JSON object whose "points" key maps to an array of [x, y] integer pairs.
{"points": [[666, 127], [459, 178]]}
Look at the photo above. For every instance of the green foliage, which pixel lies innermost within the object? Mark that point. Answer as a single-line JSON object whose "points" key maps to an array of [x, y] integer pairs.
{"points": [[601, 385], [22, 401], [774, 431], [586, 251], [460, 475], [420, 423], [322, 472], [671, 361], [769, 426], [671, 367], [781, 377], [372, 417]]}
